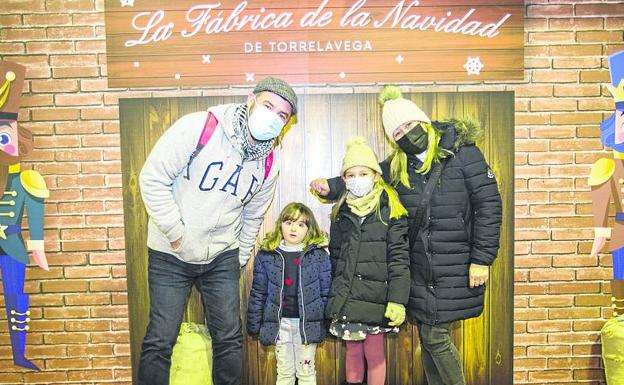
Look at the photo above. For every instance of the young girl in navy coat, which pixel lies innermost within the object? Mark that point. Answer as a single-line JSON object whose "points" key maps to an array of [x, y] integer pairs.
{"points": [[291, 281]]}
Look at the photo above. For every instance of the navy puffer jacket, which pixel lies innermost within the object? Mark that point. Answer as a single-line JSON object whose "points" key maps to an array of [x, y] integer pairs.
{"points": [[265, 299]]}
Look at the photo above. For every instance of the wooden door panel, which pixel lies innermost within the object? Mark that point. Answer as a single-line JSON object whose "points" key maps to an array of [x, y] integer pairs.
{"points": [[314, 146]]}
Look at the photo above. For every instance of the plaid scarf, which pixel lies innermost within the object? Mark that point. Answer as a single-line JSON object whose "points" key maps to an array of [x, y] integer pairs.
{"points": [[251, 151]]}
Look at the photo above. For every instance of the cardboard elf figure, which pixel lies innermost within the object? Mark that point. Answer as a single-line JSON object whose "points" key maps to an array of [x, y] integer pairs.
{"points": [[607, 182], [19, 190]]}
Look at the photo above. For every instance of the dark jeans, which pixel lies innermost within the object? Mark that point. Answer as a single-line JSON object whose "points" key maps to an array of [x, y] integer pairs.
{"points": [[439, 356], [170, 283]]}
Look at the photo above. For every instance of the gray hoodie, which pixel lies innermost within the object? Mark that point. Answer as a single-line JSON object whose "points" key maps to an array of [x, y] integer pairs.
{"points": [[221, 206]]}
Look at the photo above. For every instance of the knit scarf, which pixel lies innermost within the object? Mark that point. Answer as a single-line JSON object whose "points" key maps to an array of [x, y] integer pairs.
{"points": [[251, 151], [363, 206]]}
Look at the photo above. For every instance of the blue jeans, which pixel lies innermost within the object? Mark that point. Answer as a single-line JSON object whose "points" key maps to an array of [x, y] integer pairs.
{"points": [[170, 284]]}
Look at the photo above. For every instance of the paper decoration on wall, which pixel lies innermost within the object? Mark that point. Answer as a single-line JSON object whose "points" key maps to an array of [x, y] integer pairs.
{"points": [[607, 182], [20, 190]]}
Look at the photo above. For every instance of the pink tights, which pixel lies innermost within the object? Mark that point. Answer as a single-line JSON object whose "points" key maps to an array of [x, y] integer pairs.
{"points": [[371, 349]]}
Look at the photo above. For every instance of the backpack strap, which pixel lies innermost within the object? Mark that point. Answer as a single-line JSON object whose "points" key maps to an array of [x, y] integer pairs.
{"points": [[420, 220], [268, 163], [209, 128]]}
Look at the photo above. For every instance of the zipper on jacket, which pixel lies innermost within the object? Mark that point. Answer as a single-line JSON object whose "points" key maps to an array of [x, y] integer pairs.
{"points": [[279, 310], [305, 337], [355, 262]]}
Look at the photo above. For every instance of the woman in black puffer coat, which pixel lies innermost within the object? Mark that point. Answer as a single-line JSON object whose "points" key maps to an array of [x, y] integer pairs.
{"points": [[452, 249]]}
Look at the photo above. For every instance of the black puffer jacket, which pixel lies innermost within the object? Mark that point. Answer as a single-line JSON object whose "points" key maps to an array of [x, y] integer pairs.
{"points": [[463, 227], [370, 265]]}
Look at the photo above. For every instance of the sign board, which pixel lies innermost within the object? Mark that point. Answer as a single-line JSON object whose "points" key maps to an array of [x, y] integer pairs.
{"points": [[153, 43]]}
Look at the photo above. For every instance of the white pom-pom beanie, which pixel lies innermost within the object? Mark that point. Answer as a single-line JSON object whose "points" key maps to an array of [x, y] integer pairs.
{"points": [[398, 110]]}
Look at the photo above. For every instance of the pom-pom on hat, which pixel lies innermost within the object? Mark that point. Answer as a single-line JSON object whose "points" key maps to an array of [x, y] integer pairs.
{"points": [[359, 154], [397, 110]]}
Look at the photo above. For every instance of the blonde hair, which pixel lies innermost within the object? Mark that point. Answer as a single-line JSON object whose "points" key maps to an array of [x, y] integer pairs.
{"points": [[398, 157], [292, 212], [397, 210]]}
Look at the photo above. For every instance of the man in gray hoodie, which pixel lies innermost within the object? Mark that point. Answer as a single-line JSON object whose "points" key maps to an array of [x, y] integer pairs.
{"points": [[206, 186]]}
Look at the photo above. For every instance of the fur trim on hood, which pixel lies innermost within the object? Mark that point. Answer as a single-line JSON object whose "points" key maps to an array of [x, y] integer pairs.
{"points": [[459, 132]]}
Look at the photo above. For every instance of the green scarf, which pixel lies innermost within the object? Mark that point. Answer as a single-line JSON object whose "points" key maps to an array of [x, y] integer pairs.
{"points": [[363, 206]]}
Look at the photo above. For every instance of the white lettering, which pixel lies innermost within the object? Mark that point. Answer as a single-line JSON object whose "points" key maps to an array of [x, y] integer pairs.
{"points": [[162, 32]]}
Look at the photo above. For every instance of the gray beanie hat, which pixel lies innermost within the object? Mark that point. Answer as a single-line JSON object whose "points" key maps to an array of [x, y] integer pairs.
{"points": [[278, 87]]}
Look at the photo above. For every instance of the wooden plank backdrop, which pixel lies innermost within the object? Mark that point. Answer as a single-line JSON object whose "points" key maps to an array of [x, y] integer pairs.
{"points": [[164, 43], [314, 147]]}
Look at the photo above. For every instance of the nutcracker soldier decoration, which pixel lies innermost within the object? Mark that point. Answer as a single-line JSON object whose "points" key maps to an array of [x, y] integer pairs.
{"points": [[19, 190], [607, 182]]}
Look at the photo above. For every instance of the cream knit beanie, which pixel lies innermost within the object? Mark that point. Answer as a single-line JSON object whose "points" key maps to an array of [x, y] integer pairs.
{"points": [[397, 110], [359, 154]]}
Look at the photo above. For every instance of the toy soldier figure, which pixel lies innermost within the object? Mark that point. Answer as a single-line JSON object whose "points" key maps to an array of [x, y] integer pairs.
{"points": [[20, 190], [607, 181]]}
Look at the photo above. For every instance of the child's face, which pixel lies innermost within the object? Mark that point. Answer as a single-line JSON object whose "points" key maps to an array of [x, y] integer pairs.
{"points": [[294, 231], [361, 172]]}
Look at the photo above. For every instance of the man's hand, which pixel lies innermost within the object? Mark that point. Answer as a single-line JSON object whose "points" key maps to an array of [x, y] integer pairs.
{"points": [[320, 186], [175, 245], [40, 259], [395, 312], [478, 275], [598, 244]]}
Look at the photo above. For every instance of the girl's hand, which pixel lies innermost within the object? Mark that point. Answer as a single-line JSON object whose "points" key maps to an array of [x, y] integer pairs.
{"points": [[478, 275], [395, 312], [320, 186]]}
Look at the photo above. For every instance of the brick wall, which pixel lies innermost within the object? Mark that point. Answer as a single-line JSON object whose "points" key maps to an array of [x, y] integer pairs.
{"points": [[79, 308]]}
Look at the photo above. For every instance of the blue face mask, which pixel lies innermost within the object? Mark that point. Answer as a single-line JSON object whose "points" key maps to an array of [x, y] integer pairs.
{"points": [[264, 124]]}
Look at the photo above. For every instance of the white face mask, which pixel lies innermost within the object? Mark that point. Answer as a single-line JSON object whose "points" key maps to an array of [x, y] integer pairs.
{"points": [[264, 124], [359, 185]]}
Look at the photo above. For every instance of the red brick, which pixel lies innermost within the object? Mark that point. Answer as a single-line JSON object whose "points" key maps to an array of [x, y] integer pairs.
{"points": [[578, 24], [67, 338], [610, 10], [549, 10], [21, 34], [12, 48], [551, 37], [79, 99], [549, 351], [65, 286], [44, 377], [87, 272], [90, 350], [55, 113], [48, 47], [90, 375], [550, 375], [75, 72], [74, 32], [87, 299], [66, 312], [88, 325], [555, 76], [46, 19]]}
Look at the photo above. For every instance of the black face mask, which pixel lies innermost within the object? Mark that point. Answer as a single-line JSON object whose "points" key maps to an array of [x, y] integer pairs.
{"points": [[415, 141]]}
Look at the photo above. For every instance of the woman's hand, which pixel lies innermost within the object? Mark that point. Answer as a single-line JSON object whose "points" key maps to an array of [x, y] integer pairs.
{"points": [[478, 275]]}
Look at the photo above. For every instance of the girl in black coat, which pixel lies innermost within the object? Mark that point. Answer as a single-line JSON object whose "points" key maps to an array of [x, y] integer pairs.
{"points": [[370, 264]]}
